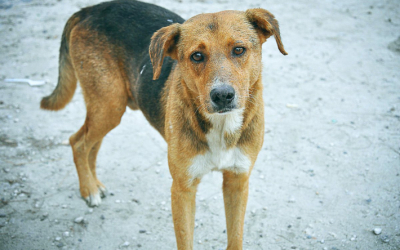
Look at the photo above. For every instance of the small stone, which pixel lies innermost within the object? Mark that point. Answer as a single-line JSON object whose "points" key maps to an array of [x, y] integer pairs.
{"points": [[66, 234], [102, 217], [58, 238], [90, 210], [385, 238], [142, 231], [292, 200], [199, 241], [125, 244], [377, 231], [322, 241], [117, 201], [64, 206], [353, 238], [78, 220], [65, 142], [44, 216]]}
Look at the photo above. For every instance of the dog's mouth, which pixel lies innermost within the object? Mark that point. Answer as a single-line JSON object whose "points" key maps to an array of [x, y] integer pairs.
{"points": [[225, 110], [222, 110]]}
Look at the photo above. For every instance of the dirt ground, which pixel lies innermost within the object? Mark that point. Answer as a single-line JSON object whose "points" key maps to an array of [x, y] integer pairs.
{"points": [[328, 174]]}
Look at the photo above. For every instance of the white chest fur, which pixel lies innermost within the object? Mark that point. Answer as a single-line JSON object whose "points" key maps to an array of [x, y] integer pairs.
{"points": [[218, 157]]}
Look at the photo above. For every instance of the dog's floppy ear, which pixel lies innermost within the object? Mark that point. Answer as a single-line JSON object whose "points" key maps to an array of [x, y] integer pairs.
{"points": [[266, 26], [163, 43]]}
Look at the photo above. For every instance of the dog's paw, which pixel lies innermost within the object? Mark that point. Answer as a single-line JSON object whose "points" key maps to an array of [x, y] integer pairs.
{"points": [[93, 200], [103, 191]]}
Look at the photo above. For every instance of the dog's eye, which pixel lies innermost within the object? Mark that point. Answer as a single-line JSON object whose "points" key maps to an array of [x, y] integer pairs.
{"points": [[238, 51], [197, 57]]}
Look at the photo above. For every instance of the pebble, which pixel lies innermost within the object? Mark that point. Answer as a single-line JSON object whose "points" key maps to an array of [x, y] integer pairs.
{"points": [[44, 216], [117, 201], [58, 238], [125, 244], [377, 231], [66, 234], [353, 238], [90, 210], [142, 231], [65, 142], [79, 219], [385, 238]]}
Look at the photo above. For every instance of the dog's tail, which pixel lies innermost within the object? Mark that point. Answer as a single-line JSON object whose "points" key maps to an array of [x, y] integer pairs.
{"points": [[67, 80]]}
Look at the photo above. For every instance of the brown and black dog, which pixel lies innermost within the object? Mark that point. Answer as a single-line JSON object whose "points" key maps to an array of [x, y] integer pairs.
{"points": [[198, 82]]}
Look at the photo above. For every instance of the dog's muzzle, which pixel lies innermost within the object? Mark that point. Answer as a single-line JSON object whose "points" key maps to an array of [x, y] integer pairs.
{"points": [[223, 98]]}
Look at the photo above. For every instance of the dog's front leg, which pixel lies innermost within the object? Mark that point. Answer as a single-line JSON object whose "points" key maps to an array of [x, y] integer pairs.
{"points": [[183, 201], [235, 189]]}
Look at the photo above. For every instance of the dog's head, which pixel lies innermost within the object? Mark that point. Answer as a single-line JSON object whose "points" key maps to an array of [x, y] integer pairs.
{"points": [[218, 54]]}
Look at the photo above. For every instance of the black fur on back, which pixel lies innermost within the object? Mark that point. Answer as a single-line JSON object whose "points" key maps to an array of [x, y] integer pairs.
{"points": [[128, 25]]}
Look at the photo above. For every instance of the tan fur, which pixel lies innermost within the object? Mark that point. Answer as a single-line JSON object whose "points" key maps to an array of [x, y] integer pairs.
{"points": [[186, 104]]}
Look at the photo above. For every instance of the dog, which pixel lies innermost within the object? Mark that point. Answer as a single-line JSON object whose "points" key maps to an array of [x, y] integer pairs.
{"points": [[198, 82]]}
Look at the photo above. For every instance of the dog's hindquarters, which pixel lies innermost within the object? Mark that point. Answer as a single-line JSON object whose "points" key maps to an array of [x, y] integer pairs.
{"points": [[67, 80]]}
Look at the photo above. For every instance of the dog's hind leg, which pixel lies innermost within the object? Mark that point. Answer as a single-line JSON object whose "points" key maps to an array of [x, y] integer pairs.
{"points": [[104, 89], [86, 144]]}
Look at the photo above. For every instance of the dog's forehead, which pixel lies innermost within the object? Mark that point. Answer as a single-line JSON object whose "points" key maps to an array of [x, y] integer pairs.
{"points": [[211, 23]]}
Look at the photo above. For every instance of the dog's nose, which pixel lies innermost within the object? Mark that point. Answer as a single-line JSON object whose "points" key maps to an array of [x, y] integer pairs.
{"points": [[222, 96]]}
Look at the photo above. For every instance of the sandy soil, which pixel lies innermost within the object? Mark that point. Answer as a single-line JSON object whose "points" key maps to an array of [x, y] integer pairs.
{"points": [[328, 174]]}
